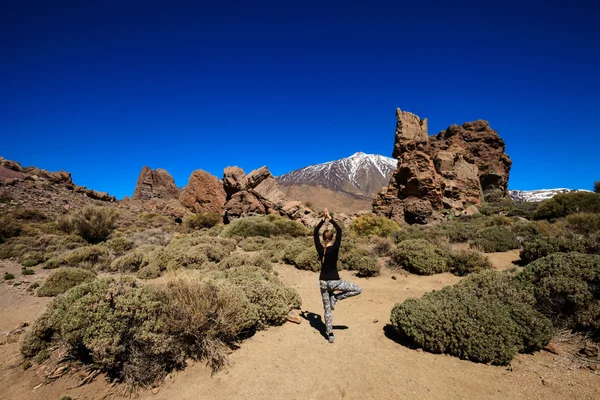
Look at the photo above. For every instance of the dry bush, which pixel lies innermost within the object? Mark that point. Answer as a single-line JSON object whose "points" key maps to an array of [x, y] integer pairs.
{"points": [[203, 220], [29, 214], [9, 228], [419, 257], [487, 317], [272, 299], [156, 237], [120, 245], [92, 223], [381, 247], [307, 259], [64, 279], [138, 334], [463, 262]]}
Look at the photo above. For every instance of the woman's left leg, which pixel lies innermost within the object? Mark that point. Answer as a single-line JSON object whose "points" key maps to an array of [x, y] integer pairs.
{"points": [[347, 289]]}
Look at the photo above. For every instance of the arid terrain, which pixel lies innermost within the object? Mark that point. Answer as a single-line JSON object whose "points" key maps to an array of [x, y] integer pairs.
{"points": [[294, 361]]}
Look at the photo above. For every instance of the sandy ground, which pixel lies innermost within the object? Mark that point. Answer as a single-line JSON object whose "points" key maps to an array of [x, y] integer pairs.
{"points": [[296, 362]]}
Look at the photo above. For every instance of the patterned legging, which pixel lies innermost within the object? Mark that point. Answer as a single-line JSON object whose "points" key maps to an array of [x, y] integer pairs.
{"points": [[345, 289]]}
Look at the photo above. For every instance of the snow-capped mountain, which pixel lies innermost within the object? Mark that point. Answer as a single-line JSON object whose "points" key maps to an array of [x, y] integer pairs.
{"points": [[539, 195], [360, 174]]}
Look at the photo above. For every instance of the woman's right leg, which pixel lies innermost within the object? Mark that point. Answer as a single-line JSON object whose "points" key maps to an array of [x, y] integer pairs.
{"points": [[326, 306]]}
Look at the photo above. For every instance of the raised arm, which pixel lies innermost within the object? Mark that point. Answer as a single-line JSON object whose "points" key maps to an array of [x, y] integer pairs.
{"points": [[318, 244], [338, 232]]}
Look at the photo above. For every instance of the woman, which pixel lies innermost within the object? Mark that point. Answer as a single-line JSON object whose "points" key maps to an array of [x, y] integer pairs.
{"points": [[330, 281]]}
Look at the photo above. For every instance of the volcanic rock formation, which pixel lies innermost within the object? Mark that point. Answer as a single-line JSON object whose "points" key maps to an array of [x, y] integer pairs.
{"points": [[155, 184], [446, 172], [204, 193]]}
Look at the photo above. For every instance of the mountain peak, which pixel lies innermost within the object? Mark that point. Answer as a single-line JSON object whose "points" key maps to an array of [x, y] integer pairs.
{"points": [[360, 174]]}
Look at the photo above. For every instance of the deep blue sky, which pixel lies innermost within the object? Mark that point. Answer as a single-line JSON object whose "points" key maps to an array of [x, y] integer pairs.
{"points": [[102, 88]]}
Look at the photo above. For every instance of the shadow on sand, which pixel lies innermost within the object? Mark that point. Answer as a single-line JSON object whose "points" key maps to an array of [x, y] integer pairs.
{"points": [[392, 334], [317, 323]]}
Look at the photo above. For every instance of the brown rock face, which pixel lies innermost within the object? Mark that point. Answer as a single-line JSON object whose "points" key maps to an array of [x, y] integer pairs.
{"points": [[459, 166], [243, 204], [155, 184], [204, 193], [234, 180]]}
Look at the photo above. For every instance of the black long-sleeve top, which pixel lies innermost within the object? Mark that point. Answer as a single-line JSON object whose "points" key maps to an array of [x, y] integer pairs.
{"points": [[328, 255]]}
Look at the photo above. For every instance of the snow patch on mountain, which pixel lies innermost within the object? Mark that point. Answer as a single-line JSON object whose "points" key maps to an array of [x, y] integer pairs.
{"points": [[539, 195]]}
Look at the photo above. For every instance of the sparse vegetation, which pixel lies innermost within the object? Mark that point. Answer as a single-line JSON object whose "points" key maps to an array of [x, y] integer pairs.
{"points": [[8, 276], [26, 271], [268, 226], [64, 279]]}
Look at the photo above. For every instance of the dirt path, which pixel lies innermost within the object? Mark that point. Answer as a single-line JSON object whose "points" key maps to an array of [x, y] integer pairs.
{"points": [[296, 362]]}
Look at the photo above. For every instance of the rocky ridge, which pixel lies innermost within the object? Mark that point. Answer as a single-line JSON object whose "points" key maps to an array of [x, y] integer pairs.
{"points": [[445, 173], [155, 184], [53, 192]]}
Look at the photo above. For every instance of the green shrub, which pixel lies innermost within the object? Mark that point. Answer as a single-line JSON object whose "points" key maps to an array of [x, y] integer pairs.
{"points": [[584, 223], [420, 257], [130, 262], [203, 220], [459, 232], [120, 245], [351, 259], [367, 225], [32, 258], [292, 248], [487, 317], [88, 257], [94, 224], [8, 276], [253, 243], [236, 260], [463, 262], [26, 271], [307, 259], [9, 228], [496, 239], [597, 187], [565, 204], [567, 289], [434, 235], [150, 271], [268, 226], [271, 299], [64, 279], [367, 266], [52, 263], [138, 334]]}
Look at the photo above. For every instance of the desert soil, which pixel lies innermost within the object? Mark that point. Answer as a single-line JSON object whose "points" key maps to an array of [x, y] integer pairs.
{"points": [[296, 362]]}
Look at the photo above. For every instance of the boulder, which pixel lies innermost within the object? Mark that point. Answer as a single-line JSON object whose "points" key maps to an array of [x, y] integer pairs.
{"points": [[243, 204], [234, 180], [459, 166], [204, 193], [470, 211], [257, 176], [268, 189], [155, 184]]}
